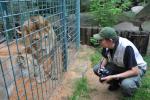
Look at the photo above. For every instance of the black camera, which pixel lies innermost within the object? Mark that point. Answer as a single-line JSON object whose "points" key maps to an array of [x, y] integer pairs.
{"points": [[103, 72]]}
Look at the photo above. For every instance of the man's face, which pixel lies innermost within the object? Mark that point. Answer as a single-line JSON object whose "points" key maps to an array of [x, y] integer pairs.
{"points": [[105, 43]]}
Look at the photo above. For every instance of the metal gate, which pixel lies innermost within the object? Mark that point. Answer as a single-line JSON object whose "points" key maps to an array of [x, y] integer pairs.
{"points": [[38, 41]]}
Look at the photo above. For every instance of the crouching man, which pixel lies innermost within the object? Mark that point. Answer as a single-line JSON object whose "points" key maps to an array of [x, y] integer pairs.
{"points": [[122, 65]]}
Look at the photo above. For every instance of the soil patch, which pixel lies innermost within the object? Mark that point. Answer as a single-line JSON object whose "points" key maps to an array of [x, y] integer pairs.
{"points": [[82, 65]]}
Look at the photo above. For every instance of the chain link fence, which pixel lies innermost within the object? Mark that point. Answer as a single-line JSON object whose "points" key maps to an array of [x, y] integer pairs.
{"points": [[38, 41]]}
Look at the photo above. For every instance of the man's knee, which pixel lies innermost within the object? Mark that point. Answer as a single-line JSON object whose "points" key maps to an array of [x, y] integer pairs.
{"points": [[128, 87]]}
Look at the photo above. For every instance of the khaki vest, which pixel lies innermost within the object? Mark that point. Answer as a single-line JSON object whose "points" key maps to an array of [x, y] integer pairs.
{"points": [[119, 54]]}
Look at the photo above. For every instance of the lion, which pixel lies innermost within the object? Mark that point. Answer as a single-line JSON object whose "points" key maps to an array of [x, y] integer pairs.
{"points": [[36, 48], [40, 41], [36, 28]]}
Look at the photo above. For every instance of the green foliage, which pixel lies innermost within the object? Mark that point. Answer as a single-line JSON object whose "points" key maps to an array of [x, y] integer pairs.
{"points": [[147, 59], [95, 58], [94, 42], [107, 11], [84, 5], [81, 90]]}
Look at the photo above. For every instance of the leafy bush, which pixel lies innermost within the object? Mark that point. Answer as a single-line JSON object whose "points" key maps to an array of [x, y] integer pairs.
{"points": [[85, 5], [94, 42], [107, 11]]}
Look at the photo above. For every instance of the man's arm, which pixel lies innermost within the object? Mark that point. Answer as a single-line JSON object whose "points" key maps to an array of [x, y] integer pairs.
{"points": [[130, 63], [103, 62], [132, 72]]}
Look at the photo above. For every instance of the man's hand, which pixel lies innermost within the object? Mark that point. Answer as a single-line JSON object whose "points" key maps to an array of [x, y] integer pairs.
{"points": [[103, 62], [108, 78]]}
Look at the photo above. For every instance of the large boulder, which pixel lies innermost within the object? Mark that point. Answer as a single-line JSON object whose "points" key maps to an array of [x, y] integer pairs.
{"points": [[136, 9], [144, 14], [126, 26]]}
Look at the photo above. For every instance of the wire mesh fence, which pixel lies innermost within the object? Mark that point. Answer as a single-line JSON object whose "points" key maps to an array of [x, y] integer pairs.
{"points": [[38, 40]]}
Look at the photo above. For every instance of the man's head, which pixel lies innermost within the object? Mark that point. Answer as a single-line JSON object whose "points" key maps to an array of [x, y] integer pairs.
{"points": [[106, 33], [106, 37]]}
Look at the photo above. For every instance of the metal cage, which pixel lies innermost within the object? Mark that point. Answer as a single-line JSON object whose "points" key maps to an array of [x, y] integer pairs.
{"points": [[38, 41]]}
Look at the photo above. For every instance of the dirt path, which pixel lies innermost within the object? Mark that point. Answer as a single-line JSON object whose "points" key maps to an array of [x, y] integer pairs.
{"points": [[82, 65], [99, 91]]}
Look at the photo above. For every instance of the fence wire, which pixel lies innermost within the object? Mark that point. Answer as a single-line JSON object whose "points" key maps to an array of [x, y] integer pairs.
{"points": [[38, 40]]}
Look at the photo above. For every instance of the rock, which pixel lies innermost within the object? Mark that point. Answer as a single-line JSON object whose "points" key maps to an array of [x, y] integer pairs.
{"points": [[126, 26], [136, 9], [144, 14], [146, 26]]}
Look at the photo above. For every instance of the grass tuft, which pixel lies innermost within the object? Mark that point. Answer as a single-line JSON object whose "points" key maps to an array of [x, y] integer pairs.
{"points": [[96, 57], [81, 91]]}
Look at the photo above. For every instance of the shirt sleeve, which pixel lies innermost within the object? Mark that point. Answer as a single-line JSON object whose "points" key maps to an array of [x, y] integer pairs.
{"points": [[129, 58]]}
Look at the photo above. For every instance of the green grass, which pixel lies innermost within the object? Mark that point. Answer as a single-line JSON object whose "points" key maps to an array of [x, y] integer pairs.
{"points": [[81, 90], [147, 59], [96, 57]]}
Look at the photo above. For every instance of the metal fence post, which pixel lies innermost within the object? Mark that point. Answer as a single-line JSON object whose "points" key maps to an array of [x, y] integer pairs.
{"points": [[4, 95], [56, 26], [4, 10], [78, 22], [64, 23]]}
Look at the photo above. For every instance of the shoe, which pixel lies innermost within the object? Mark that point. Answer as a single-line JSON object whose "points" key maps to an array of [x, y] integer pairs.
{"points": [[113, 87]]}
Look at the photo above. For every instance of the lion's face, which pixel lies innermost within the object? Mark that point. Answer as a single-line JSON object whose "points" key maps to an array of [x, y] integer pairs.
{"points": [[35, 30]]}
